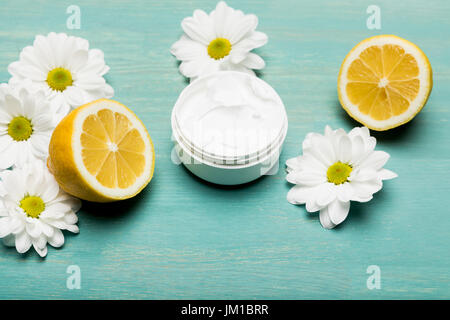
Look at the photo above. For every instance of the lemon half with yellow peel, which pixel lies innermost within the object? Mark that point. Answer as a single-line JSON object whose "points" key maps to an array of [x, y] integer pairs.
{"points": [[101, 152], [384, 82]]}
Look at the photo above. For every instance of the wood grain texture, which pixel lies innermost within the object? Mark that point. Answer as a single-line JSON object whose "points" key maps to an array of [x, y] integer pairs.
{"points": [[183, 238]]}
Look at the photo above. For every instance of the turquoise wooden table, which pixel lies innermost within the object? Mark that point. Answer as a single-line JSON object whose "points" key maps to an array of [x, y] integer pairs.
{"points": [[184, 238]]}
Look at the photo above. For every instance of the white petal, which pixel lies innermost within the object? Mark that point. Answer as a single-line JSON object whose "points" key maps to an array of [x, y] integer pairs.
{"points": [[46, 229], [62, 49], [328, 131], [292, 177], [14, 185], [187, 49], [56, 223], [254, 40], [358, 150], [51, 189], [307, 142], [370, 144], [338, 211], [55, 211], [78, 60], [322, 150], [81, 43], [96, 63], [363, 174], [33, 229], [386, 174], [29, 103], [311, 203], [3, 211], [25, 154], [222, 16], [13, 106], [236, 67], [74, 203], [17, 225], [376, 160], [42, 252], [5, 228], [294, 163], [325, 194], [62, 196], [70, 218], [5, 141], [60, 107], [40, 245], [72, 228], [363, 191], [198, 27], [39, 145], [325, 219], [344, 149], [299, 194], [96, 54], [311, 178], [40, 241], [57, 240], [33, 73], [23, 242], [193, 68], [237, 56], [310, 163], [345, 192], [253, 61], [14, 69], [242, 27], [5, 118], [88, 81], [363, 132], [43, 123], [108, 91], [75, 96], [43, 50], [103, 91]]}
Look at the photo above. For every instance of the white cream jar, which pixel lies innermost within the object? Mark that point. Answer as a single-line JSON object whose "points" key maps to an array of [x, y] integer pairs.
{"points": [[229, 127]]}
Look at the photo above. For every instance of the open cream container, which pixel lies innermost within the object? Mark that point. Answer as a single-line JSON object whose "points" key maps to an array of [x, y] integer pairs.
{"points": [[229, 127]]}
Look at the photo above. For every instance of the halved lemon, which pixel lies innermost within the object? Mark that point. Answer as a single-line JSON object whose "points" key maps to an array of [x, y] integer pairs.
{"points": [[384, 82], [101, 152]]}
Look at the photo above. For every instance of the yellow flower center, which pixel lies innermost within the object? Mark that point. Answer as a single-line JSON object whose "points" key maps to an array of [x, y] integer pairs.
{"points": [[20, 128], [339, 172], [33, 206], [219, 48], [59, 79]]}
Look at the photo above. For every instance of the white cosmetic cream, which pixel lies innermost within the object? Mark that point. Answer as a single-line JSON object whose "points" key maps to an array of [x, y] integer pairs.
{"points": [[229, 127]]}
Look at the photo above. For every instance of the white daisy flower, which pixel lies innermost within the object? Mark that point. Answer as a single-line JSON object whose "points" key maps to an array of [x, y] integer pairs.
{"points": [[65, 68], [26, 124], [221, 40], [336, 168], [34, 210]]}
